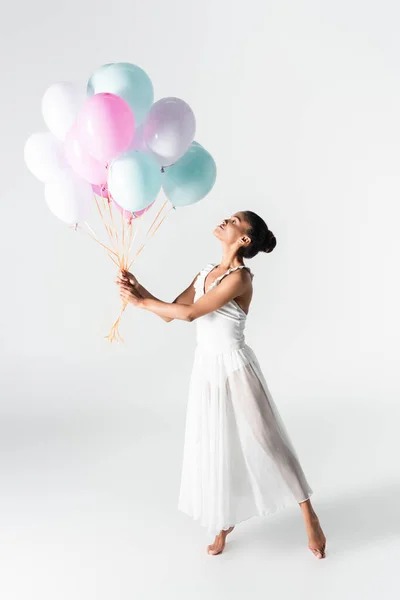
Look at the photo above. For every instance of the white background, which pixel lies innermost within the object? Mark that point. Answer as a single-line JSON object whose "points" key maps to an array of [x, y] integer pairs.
{"points": [[299, 103]]}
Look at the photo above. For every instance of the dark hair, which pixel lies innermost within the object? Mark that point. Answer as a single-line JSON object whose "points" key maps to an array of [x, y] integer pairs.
{"points": [[262, 239]]}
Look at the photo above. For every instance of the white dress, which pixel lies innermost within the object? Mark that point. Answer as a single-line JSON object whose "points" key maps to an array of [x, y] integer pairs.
{"points": [[238, 459]]}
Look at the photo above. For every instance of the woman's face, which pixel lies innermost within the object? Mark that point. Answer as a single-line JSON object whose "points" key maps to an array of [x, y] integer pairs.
{"points": [[232, 229]]}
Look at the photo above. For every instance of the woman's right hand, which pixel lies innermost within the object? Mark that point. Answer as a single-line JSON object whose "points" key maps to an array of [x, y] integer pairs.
{"points": [[127, 277]]}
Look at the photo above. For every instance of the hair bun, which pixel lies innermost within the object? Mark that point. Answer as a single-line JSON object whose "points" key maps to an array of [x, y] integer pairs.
{"points": [[269, 243]]}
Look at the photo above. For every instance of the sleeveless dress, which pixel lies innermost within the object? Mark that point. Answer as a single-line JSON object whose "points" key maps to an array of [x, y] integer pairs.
{"points": [[238, 459]]}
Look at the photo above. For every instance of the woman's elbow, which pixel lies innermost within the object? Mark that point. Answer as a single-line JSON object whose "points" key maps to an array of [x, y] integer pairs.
{"points": [[190, 316]]}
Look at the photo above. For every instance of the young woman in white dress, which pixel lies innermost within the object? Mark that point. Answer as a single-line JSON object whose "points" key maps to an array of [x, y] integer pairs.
{"points": [[238, 459]]}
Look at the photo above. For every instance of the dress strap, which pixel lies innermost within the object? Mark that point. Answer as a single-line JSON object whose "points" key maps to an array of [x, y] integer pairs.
{"points": [[216, 281]]}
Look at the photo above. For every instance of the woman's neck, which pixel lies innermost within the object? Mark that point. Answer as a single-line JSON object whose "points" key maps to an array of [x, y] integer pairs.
{"points": [[230, 260]]}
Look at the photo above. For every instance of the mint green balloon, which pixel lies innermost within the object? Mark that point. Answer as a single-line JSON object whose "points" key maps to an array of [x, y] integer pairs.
{"points": [[191, 178], [127, 81], [134, 180]]}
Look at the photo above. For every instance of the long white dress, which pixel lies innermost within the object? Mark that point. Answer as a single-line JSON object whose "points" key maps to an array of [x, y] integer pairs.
{"points": [[238, 459]]}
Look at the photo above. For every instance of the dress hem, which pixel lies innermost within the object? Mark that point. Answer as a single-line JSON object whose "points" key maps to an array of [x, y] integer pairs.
{"points": [[264, 513]]}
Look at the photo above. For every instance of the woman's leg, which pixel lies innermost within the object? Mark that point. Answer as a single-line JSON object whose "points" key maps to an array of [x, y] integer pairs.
{"points": [[316, 537]]}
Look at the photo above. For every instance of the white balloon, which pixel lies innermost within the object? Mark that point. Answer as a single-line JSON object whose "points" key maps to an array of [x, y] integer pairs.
{"points": [[60, 106], [69, 197], [169, 129], [44, 156]]}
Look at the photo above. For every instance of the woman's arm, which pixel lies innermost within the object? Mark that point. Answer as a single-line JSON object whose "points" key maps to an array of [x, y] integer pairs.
{"points": [[186, 297], [230, 287]]}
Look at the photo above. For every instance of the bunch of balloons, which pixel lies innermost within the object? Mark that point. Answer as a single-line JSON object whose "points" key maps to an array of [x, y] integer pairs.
{"points": [[114, 140], [113, 144]]}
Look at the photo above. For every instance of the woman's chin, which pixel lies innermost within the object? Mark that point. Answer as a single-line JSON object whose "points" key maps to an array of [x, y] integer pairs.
{"points": [[218, 232]]}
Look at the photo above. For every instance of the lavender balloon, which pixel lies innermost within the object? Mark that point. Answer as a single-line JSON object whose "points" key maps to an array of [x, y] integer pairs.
{"points": [[169, 129]]}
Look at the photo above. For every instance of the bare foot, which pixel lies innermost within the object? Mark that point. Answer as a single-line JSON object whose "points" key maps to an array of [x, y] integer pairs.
{"points": [[219, 543], [316, 537]]}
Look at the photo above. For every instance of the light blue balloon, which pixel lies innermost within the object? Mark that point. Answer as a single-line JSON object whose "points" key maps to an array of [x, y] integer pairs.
{"points": [[191, 178], [127, 81], [134, 180]]}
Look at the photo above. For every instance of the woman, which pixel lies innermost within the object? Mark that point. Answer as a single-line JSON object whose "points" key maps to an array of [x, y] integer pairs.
{"points": [[238, 459]]}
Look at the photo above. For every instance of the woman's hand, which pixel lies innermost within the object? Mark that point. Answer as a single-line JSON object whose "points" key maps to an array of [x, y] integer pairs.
{"points": [[129, 294], [126, 276], [128, 291]]}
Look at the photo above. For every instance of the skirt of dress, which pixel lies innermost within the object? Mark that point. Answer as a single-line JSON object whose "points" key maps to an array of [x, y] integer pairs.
{"points": [[238, 459]]}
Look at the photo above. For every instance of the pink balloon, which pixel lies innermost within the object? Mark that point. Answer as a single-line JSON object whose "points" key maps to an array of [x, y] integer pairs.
{"points": [[128, 214], [81, 161], [106, 126], [101, 190]]}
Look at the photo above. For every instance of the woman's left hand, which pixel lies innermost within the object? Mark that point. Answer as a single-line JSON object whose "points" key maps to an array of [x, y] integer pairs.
{"points": [[129, 294]]}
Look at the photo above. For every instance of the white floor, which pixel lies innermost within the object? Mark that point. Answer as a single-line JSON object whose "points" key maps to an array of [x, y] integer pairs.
{"points": [[88, 510]]}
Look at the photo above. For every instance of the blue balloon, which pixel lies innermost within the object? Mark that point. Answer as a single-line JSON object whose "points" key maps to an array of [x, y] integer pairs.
{"points": [[191, 178], [134, 180], [127, 81]]}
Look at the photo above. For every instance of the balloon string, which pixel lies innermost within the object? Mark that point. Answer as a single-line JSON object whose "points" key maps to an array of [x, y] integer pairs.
{"points": [[107, 204], [133, 237], [105, 222], [149, 237], [112, 231], [156, 217], [114, 334], [92, 235], [91, 230], [128, 242], [123, 245], [123, 239]]}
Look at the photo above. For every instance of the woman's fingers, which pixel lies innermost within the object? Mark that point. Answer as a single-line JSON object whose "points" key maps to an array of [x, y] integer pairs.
{"points": [[128, 276], [122, 279]]}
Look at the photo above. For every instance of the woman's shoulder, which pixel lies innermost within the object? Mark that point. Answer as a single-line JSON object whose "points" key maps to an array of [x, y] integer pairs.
{"points": [[248, 270], [245, 272]]}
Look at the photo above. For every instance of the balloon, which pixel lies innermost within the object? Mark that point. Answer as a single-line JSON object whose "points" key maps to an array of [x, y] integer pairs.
{"points": [[101, 190], [132, 215], [44, 156], [134, 180], [127, 214], [127, 81], [169, 129], [60, 106], [139, 213], [191, 178], [138, 142], [106, 125], [81, 161], [69, 197]]}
